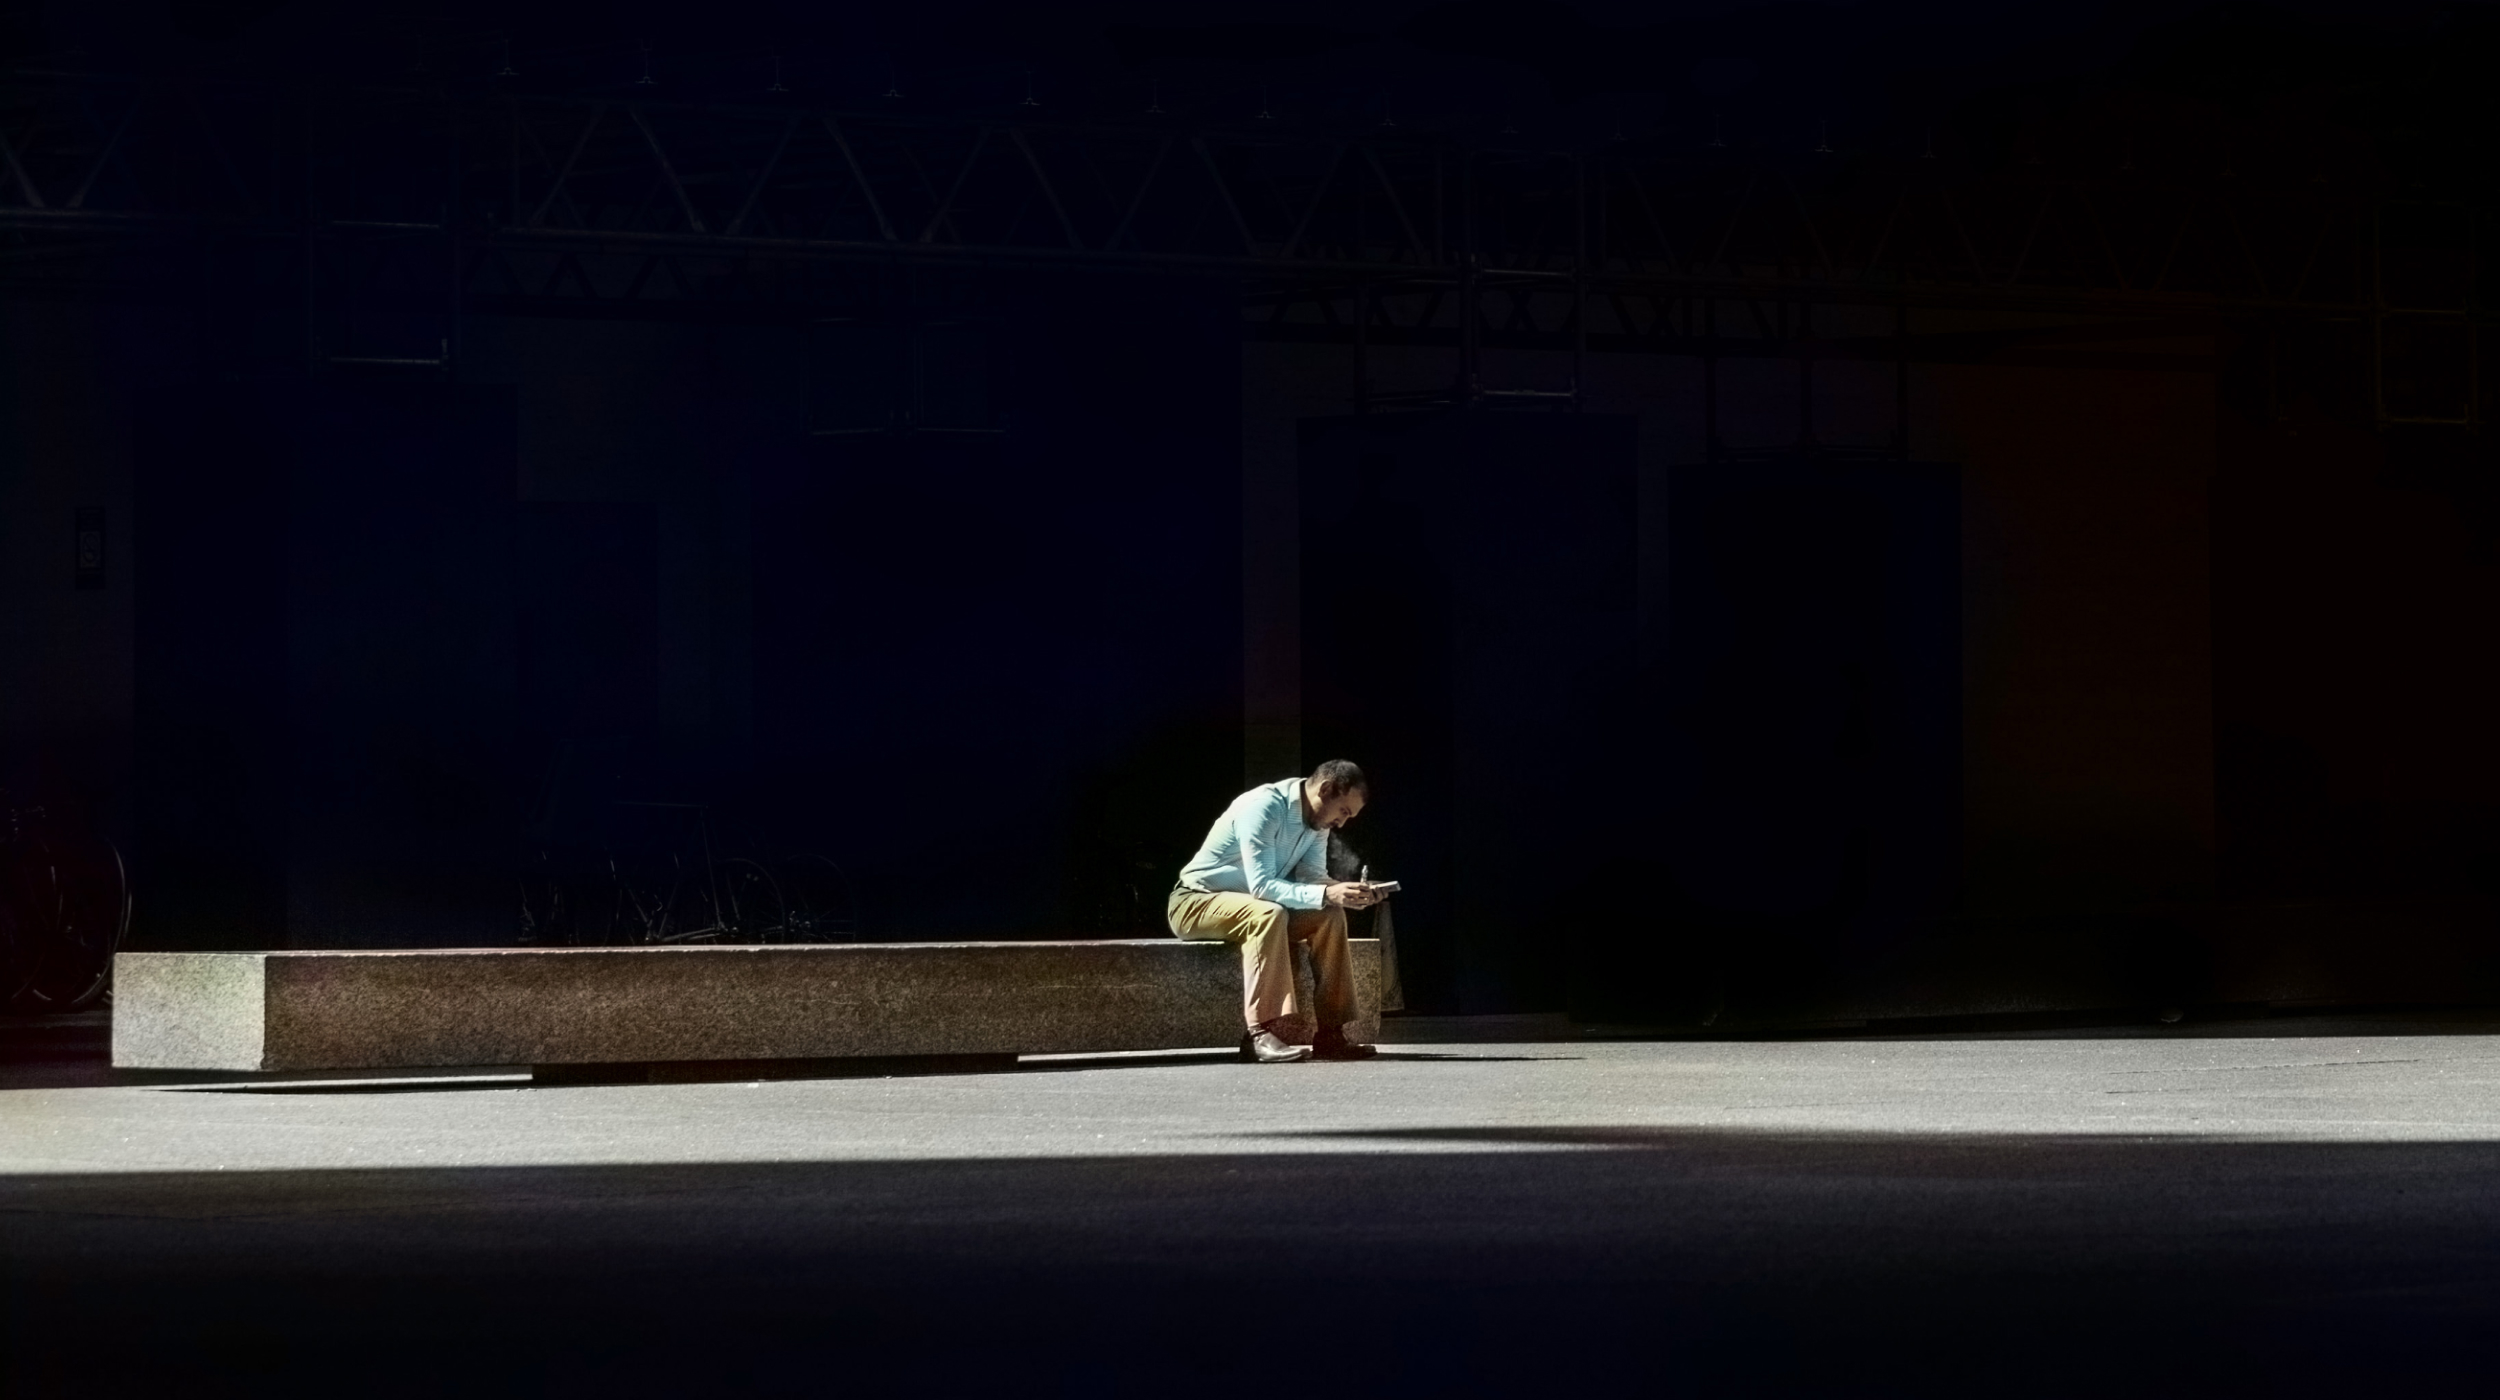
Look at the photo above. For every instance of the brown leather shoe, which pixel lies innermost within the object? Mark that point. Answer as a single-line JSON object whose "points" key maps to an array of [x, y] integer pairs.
{"points": [[1333, 1045]]}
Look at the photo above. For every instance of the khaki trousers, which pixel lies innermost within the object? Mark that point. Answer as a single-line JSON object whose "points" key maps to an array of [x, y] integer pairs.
{"points": [[1266, 933]]}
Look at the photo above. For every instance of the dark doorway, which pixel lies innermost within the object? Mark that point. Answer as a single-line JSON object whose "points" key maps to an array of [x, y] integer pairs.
{"points": [[1803, 737], [1467, 634]]}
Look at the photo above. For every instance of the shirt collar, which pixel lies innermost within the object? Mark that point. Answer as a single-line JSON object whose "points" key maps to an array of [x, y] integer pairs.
{"points": [[1292, 789]]}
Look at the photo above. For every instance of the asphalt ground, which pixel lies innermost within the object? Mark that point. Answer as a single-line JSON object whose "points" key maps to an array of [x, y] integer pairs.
{"points": [[2264, 1209]]}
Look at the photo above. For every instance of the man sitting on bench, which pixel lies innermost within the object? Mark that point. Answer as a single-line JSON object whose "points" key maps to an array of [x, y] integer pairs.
{"points": [[1261, 882]]}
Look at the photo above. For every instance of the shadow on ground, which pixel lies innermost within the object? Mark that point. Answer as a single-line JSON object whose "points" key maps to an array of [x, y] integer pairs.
{"points": [[1474, 1261]]}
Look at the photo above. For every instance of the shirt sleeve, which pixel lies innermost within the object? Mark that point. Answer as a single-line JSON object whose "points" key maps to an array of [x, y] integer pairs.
{"points": [[1266, 844]]}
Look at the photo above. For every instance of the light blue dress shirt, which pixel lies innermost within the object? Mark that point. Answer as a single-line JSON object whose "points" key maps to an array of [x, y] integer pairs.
{"points": [[1262, 848]]}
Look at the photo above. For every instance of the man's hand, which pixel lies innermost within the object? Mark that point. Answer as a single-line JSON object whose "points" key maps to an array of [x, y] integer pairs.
{"points": [[1353, 895]]}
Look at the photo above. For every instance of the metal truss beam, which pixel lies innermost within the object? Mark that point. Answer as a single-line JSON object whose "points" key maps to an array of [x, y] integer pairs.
{"points": [[635, 208]]}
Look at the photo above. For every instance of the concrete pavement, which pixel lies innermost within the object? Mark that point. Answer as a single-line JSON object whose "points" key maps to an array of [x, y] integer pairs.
{"points": [[2296, 1207]]}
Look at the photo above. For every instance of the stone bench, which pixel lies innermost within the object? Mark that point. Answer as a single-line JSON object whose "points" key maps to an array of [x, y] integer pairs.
{"points": [[555, 1007]]}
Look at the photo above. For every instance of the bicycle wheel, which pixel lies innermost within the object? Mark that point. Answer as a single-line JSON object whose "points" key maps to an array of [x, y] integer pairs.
{"points": [[21, 946], [649, 905], [601, 908], [30, 918], [823, 906], [543, 914], [752, 909], [94, 891], [692, 914]]}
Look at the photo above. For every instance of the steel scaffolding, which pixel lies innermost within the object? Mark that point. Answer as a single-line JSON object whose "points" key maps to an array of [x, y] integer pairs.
{"points": [[388, 216]]}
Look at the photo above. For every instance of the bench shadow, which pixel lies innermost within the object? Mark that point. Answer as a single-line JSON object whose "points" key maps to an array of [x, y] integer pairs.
{"points": [[1204, 1058], [464, 1084], [448, 1084], [1421, 1055], [1178, 1059]]}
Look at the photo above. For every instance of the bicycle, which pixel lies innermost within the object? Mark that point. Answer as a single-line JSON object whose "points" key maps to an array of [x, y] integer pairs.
{"points": [[64, 911], [653, 899], [823, 904]]}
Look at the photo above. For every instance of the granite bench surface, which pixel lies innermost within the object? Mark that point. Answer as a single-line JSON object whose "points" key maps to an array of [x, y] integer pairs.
{"points": [[307, 1010]]}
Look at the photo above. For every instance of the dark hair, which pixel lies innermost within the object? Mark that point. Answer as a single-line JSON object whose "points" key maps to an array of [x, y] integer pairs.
{"points": [[1343, 776]]}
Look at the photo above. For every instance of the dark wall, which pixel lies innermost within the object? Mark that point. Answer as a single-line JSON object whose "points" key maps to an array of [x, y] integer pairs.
{"points": [[2356, 580], [397, 639], [2356, 587], [211, 557], [388, 633], [2088, 637], [587, 608], [69, 382], [1802, 735], [1468, 637], [325, 665], [999, 675]]}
